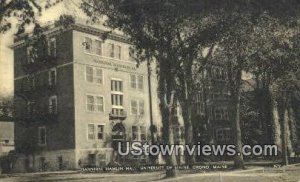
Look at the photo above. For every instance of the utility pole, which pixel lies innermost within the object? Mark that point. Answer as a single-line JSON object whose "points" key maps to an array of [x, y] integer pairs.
{"points": [[150, 102]]}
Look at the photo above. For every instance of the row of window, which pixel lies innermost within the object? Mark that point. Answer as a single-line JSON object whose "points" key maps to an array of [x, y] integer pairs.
{"points": [[30, 82], [218, 73], [52, 106], [95, 75], [32, 52], [99, 48], [95, 103], [220, 113], [138, 133], [223, 134], [96, 132]]}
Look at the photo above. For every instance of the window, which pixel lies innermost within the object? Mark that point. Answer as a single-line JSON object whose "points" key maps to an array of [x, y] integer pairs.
{"points": [[99, 104], [143, 134], [89, 74], [141, 82], [94, 75], [114, 51], [134, 109], [223, 134], [137, 82], [91, 131], [98, 76], [199, 102], [90, 102], [42, 135], [117, 111], [100, 132], [137, 107], [98, 47], [221, 113], [53, 105], [116, 85], [133, 81], [95, 103], [111, 50], [141, 107], [52, 77], [30, 83], [117, 99], [135, 133], [31, 109], [30, 54], [88, 44], [131, 53], [118, 52], [52, 47]]}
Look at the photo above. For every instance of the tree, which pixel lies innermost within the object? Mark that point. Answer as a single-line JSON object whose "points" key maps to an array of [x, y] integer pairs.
{"points": [[170, 33], [24, 11]]}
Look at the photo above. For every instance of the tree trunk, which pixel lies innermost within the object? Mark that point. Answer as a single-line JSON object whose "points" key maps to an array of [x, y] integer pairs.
{"points": [[188, 133], [168, 136], [283, 121], [166, 98], [293, 129], [238, 159], [276, 128]]}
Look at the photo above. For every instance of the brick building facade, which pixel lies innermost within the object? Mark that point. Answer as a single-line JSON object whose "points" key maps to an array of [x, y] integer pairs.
{"points": [[75, 95]]}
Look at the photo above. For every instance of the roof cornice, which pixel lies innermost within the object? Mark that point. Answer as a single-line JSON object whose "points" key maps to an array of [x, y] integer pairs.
{"points": [[20, 40]]}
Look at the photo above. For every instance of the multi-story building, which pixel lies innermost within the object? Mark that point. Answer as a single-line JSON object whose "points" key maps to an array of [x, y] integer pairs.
{"points": [[75, 95], [212, 120]]}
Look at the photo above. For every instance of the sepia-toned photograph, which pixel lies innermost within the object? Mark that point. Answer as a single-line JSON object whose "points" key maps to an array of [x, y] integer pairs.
{"points": [[150, 90]]}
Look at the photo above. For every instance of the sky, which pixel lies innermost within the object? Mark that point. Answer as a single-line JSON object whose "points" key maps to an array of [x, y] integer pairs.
{"points": [[70, 7], [6, 41]]}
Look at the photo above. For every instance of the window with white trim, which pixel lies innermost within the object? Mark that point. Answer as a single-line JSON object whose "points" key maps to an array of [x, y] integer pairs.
{"points": [[117, 97], [137, 81], [137, 107], [134, 108], [118, 52], [111, 50], [91, 131], [98, 47], [95, 131], [98, 76], [94, 75], [133, 81], [89, 73], [114, 51], [100, 132], [53, 105], [95, 103], [99, 104], [42, 135], [116, 85]]}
